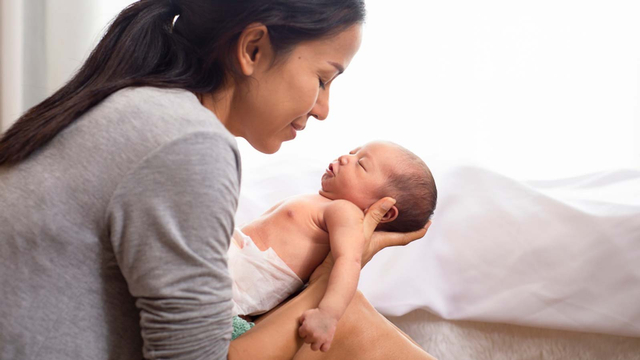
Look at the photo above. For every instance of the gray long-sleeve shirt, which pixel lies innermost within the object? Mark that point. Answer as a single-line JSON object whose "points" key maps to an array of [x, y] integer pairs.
{"points": [[113, 237]]}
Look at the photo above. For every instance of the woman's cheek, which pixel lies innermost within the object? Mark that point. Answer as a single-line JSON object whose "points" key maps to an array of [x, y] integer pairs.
{"points": [[307, 93]]}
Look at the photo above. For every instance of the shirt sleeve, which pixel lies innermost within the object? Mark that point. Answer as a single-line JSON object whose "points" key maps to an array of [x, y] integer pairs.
{"points": [[170, 222]]}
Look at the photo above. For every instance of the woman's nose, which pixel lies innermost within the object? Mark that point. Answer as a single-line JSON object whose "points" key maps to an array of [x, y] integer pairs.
{"points": [[320, 110]]}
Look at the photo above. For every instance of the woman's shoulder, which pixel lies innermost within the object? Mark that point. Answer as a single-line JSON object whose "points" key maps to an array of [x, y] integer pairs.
{"points": [[172, 109], [149, 117], [134, 123]]}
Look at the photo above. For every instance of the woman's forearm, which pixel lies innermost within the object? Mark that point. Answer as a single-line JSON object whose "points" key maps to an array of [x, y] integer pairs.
{"points": [[276, 336]]}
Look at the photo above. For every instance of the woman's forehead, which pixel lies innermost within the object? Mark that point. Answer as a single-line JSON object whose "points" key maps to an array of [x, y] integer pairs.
{"points": [[338, 49]]}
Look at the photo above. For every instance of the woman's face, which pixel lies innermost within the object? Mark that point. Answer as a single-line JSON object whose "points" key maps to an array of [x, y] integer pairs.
{"points": [[276, 101]]}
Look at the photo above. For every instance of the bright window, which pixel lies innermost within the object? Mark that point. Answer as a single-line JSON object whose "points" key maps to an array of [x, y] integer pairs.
{"points": [[541, 89], [536, 89]]}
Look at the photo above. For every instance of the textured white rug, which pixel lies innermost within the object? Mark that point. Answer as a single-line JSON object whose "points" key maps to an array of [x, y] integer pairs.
{"points": [[461, 340]]}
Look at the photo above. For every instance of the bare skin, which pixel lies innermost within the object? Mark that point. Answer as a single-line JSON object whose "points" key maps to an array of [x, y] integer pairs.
{"points": [[303, 229], [267, 105], [360, 327], [276, 334], [298, 230]]}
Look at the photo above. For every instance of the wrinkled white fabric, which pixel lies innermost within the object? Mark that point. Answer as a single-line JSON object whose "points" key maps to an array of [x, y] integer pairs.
{"points": [[561, 254], [260, 279]]}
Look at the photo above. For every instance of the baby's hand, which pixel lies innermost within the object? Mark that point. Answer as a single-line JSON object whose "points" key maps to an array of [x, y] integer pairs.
{"points": [[317, 328]]}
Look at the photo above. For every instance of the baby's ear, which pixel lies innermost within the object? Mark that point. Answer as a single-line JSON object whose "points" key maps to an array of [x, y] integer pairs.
{"points": [[391, 215]]}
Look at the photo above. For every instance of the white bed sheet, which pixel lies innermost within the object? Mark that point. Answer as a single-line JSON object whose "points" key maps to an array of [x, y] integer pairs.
{"points": [[557, 254]]}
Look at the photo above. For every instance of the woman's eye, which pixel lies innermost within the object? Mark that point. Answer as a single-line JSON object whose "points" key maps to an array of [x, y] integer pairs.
{"points": [[322, 83]]}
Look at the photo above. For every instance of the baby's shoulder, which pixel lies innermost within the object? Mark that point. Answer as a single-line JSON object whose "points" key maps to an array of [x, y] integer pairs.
{"points": [[319, 206], [317, 202], [344, 207], [300, 205], [321, 203], [312, 201]]}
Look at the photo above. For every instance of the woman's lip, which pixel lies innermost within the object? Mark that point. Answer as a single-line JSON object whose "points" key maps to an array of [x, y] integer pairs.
{"points": [[298, 128]]}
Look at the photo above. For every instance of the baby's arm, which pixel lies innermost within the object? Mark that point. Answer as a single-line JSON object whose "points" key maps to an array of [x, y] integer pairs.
{"points": [[344, 224]]}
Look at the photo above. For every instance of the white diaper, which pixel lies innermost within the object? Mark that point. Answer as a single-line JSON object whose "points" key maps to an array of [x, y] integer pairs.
{"points": [[261, 279]]}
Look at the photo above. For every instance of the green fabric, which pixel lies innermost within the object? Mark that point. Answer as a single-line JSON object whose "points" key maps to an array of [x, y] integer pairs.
{"points": [[240, 326]]}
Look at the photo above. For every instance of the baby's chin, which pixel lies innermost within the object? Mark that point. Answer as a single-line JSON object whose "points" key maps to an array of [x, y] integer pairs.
{"points": [[327, 194], [338, 196]]}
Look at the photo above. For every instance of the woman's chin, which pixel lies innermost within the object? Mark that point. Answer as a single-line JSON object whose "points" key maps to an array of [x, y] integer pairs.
{"points": [[268, 148]]}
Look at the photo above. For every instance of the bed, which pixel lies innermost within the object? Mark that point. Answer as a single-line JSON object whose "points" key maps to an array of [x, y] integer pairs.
{"points": [[509, 270]]}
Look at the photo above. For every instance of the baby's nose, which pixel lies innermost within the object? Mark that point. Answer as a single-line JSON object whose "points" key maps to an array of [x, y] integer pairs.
{"points": [[344, 159]]}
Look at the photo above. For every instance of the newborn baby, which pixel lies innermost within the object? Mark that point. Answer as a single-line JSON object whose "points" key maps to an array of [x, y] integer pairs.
{"points": [[274, 255]]}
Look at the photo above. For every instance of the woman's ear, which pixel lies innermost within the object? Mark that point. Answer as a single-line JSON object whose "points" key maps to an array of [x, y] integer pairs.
{"points": [[391, 215], [254, 48]]}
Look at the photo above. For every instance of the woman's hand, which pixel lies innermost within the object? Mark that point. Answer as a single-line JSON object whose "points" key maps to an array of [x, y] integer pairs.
{"points": [[378, 240], [374, 240]]}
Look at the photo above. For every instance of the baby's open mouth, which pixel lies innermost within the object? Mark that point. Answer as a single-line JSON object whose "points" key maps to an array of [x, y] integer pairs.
{"points": [[330, 169]]}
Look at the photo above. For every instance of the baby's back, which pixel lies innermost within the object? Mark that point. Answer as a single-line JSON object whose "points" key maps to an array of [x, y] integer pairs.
{"points": [[295, 230]]}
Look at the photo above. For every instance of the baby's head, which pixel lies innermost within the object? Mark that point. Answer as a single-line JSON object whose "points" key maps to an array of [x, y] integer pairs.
{"points": [[380, 169]]}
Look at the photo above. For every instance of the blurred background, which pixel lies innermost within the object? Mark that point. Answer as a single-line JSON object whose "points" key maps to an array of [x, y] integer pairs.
{"points": [[533, 90]]}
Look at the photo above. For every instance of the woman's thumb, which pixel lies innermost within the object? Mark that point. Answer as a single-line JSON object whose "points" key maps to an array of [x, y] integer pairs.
{"points": [[376, 212]]}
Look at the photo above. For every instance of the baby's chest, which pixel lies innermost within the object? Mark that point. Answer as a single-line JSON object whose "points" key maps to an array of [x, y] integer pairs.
{"points": [[298, 225]]}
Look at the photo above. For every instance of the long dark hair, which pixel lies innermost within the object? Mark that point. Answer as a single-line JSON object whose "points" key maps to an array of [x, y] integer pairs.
{"points": [[146, 46]]}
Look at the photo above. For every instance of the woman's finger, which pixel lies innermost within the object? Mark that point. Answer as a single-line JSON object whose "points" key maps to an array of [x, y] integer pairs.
{"points": [[386, 239], [375, 213]]}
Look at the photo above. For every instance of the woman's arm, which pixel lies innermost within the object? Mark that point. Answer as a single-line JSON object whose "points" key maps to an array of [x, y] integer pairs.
{"points": [[169, 222]]}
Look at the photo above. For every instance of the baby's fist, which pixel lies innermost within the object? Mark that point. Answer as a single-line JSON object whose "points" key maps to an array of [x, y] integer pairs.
{"points": [[317, 328]]}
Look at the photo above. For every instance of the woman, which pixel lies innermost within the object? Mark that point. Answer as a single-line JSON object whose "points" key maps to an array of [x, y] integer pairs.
{"points": [[119, 191]]}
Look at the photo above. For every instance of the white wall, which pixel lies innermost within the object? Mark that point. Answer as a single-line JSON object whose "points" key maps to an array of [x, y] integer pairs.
{"points": [[10, 60], [43, 43], [74, 28], [542, 89]]}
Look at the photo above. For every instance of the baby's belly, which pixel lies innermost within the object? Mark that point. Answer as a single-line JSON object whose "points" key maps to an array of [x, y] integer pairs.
{"points": [[302, 251], [261, 280]]}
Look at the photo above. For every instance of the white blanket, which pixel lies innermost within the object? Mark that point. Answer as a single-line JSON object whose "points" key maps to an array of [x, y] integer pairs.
{"points": [[558, 254]]}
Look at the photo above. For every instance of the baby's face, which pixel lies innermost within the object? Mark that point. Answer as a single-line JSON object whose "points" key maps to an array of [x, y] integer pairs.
{"points": [[359, 176]]}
